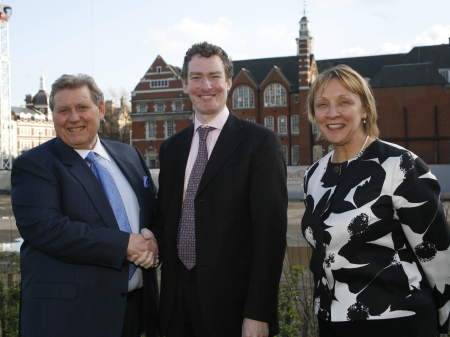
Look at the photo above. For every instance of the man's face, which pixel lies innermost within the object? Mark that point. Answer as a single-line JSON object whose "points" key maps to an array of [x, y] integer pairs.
{"points": [[207, 85], [76, 117]]}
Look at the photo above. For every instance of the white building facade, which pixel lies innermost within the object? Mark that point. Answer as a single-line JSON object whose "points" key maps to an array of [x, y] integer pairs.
{"points": [[8, 133]]}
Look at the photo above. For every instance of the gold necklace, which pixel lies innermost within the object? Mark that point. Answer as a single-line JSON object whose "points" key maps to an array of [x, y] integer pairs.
{"points": [[358, 154]]}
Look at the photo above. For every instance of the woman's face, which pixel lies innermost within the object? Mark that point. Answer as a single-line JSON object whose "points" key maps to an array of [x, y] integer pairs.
{"points": [[339, 113]]}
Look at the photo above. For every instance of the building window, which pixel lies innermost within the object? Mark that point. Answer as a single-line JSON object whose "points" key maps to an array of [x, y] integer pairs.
{"points": [[445, 73], [141, 107], [315, 131], [150, 156], [251, 119], [297, 99], [295, 155], [150, 130], [243, 97], [177, 106], [275, 95], [169, 128], [282, 125], [295, 128], [159, 83], [330, 148], [268, 122], [158, 69], [284, 151], [159, 107], [317, 152]]}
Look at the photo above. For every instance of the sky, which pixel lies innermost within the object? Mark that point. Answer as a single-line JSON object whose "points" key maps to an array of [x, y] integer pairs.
{"points": [[117, 41]]}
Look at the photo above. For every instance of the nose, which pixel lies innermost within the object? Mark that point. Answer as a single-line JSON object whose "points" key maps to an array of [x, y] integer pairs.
{"points": [[333, 110], [206, 83], [73, 115]]}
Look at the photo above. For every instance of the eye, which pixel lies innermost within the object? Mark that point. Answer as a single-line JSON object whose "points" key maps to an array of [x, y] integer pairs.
{"points": [[62, 111]]}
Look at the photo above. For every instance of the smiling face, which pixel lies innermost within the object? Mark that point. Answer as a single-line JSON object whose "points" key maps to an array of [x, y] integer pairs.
{"points": [[207, 86], [76, 118], [338, 113]]}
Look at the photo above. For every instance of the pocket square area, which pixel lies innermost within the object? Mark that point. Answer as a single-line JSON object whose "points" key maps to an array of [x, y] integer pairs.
{"points": [[146, 181]]}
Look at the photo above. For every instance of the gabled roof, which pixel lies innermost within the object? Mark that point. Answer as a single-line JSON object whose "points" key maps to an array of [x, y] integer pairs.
{"points": [[418, 67], [403, 75], [367, 66], [260, 68]]}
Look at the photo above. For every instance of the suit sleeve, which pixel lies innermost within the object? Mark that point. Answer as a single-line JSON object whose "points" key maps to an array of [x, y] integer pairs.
{"points": [[268, 203], [36, 201], [158, 228], [418, 207]]}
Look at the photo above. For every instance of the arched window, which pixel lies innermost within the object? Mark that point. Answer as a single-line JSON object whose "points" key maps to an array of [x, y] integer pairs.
{"points": [[269, 122], [275, 95], [243, 97]]}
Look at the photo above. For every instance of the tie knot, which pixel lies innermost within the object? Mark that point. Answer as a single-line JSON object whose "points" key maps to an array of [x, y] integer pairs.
{"points": [[91, 157], [203, 132]]}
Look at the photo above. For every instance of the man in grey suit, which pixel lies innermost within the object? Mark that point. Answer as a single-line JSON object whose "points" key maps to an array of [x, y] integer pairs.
{"points": [[80, 204]]}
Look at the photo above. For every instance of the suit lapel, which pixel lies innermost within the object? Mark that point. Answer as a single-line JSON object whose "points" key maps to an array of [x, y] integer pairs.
{"points": [[131, 174], [226, 144], [80, 170], [180, 159]]}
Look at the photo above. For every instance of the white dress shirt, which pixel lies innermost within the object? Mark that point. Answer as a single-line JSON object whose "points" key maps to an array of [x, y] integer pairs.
{"points": [[128, 197]]}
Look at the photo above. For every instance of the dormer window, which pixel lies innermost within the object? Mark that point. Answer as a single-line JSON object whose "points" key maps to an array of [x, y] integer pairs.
{"points": [[243, 97], [445, 72], [275, 95], [159, 83]]}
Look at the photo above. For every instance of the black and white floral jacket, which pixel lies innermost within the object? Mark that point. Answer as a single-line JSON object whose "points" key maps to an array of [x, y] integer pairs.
{"points": [[379, 235]]}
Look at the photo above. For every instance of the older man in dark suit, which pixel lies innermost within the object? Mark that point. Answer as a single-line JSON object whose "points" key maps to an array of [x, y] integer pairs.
{"points": [[223, 204], [80, 204]]}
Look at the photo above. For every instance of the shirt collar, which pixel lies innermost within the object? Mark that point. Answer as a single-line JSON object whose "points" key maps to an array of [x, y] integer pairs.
{"points": [[217, 122], [98, 148]]}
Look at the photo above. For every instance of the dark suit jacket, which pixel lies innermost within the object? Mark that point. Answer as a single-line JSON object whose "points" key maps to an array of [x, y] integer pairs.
{"points": [[240, 211], [73, 259]]}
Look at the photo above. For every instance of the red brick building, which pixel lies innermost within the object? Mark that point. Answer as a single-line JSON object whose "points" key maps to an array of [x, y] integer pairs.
{"points": [[412, 92]]}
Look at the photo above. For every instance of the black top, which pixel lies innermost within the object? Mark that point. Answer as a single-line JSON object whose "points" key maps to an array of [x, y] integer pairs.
{"points": [[379, 235]]}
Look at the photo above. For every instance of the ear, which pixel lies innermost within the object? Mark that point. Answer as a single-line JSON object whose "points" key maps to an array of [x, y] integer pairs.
{"points": [[101, 110], [364, 114], [229, 83], [185, 84]]}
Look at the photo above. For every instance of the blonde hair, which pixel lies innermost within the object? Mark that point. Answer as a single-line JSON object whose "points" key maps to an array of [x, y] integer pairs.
{"points": [[353, 82]]}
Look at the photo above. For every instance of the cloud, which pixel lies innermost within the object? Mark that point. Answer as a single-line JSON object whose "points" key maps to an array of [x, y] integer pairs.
{"points": [[437, 34], [241, 42], [354, 51]]}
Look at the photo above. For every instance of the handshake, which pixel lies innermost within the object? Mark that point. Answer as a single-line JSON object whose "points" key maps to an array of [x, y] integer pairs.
{"points": [[143, 249]]}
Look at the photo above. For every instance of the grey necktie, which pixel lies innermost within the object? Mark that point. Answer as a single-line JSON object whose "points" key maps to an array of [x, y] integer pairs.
{"points": [[186, 231]]}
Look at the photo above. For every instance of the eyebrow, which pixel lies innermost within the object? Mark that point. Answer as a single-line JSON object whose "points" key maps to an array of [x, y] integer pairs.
{"points": [[339, 96], [200, 73]]}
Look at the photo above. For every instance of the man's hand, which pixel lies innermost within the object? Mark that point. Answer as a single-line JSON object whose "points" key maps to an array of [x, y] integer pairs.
{"points": [[252, 328], [142, 249]]}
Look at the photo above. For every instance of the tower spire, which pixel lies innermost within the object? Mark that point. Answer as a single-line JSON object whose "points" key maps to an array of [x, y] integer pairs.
{"points": [[305, 3], [42, 82]]}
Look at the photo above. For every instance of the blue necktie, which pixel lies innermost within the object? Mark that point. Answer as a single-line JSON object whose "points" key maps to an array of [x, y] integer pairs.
{"points": [[112, 192], [186, 231]]}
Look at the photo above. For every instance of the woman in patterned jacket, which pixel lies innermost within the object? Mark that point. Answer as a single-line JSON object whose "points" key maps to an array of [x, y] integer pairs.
{"points": [[381, 256]]}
